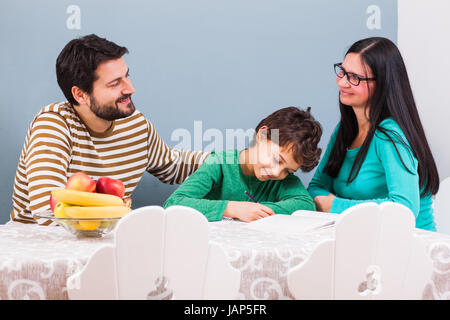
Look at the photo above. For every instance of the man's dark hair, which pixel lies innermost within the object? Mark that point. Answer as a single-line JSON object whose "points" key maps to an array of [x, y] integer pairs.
{"points": [[78, 61], [299, 130]]}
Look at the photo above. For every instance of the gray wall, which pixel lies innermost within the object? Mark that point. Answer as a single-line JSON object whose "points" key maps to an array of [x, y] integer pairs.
{"points": [[228, 63]]}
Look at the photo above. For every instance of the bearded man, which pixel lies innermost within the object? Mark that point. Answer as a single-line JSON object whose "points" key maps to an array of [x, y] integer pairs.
{"points": [[97, 130]]}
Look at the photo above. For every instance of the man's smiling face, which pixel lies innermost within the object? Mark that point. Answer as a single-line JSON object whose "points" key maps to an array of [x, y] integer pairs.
{"points": [[111, 93]]}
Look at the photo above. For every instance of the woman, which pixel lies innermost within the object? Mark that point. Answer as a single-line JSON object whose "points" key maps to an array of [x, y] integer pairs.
{"points": [[378, 151]]}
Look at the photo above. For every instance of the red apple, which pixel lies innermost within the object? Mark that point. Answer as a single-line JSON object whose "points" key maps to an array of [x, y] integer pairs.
{"points": [[111, 186], [53, 202], [81, 181]]}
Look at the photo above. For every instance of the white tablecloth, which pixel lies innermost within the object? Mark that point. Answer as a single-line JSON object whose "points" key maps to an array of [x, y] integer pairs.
{"points": [[35, 261]]}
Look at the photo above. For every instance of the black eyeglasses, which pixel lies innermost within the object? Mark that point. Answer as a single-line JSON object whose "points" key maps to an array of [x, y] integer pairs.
{"points": [[354, 79]]}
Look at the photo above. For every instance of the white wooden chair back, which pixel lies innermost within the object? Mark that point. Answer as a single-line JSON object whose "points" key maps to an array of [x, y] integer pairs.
{"points": [[374, 255], [441, 206], [152, 245]]}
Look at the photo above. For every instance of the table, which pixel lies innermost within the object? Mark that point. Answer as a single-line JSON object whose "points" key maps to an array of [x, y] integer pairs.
{"points": [[35, 261]]}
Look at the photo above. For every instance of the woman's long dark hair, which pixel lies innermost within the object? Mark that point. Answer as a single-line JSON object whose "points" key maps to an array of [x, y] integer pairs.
{"points": [[393, 98]]}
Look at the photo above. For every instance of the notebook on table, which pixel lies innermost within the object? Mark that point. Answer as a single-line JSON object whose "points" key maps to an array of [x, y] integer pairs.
{"points": [[299, 222]]}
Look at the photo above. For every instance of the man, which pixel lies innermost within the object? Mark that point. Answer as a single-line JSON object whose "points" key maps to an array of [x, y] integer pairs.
{"points": [[98, 131]]}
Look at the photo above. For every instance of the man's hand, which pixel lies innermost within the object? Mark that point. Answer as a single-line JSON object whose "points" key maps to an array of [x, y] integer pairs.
{"points": [[247, 211], [323, 203]]}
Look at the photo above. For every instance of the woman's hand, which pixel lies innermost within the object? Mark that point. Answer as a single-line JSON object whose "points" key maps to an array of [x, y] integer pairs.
{"points": [[247, 211], [323, 203]]}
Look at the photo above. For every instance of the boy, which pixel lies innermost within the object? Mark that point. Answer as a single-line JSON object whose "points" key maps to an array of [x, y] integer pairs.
{"points": [[257, 182]]}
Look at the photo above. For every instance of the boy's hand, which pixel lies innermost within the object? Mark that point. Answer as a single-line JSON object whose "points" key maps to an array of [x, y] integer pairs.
{"points": [[247, 211]]}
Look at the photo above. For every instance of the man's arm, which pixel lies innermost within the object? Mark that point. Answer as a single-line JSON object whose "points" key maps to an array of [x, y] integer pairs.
{"points": [[171, 165], [44, 162]]}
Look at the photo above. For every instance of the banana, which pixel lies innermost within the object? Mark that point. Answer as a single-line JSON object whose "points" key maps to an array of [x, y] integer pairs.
{"points": [[87, 225], [83, 198], [59, 210], [96, 212]]}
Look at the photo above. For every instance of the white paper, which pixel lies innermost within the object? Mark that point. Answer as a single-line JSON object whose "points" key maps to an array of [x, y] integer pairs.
{"points": [[299, 222], [316, 214]]}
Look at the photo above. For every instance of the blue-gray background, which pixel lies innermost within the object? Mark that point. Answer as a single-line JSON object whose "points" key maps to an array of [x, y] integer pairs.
{"points": [[228, 63]]}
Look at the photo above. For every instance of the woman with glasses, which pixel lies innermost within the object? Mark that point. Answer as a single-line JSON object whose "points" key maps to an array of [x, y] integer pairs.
{"points": [[378, 151]]}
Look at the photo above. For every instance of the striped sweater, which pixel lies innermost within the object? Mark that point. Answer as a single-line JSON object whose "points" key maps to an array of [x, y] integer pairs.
{"points": [[58, 144]]}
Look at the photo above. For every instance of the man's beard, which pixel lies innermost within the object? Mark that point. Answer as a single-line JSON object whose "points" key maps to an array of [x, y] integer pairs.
{"points": [[111, 112]]}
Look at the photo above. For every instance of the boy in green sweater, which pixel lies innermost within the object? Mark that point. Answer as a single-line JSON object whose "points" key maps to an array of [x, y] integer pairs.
{"points": [[259, 181]]}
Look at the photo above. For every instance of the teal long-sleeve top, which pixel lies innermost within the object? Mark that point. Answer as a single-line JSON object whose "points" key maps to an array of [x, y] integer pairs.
{"points": [[382, 177], [220, 179]]}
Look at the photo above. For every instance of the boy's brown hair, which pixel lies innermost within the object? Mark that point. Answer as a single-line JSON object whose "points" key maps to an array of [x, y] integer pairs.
{"points": [[298, 129]]}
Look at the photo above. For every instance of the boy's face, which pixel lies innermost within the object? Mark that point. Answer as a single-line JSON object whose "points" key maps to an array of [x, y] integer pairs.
{"points": [[272, 161]]}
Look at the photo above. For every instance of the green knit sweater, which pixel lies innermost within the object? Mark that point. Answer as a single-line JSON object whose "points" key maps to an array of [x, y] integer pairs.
{"points": [[220, 179]]}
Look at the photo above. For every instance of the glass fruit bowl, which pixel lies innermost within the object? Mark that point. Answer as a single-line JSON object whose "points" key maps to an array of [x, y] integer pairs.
{"points": [[83, 227]]}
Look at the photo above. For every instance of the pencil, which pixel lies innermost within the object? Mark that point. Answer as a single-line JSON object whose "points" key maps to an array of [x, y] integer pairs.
{"points": [[250, 196]]}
